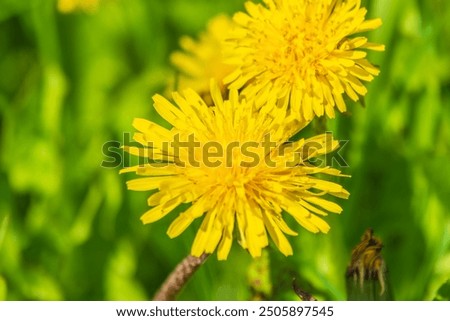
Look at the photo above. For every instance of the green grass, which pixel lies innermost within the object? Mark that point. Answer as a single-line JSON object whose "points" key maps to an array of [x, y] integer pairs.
{"points": [[69, 229]]}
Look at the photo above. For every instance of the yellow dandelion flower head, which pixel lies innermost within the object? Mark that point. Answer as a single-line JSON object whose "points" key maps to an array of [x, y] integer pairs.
{"points": [[68, 6], [235, 167], [203, 59], [304, 52]]}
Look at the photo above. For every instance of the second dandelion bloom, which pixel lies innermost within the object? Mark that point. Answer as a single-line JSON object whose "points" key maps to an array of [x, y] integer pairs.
{"points": [[237, 170], [69, 6], [307, 54], [203, 59]]}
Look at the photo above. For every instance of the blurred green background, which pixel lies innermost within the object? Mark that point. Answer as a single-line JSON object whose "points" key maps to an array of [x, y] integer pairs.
{"points": [[69, 229]]}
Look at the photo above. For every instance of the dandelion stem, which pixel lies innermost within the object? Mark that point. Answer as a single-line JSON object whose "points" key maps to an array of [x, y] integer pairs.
{"points": [[179, 277]]}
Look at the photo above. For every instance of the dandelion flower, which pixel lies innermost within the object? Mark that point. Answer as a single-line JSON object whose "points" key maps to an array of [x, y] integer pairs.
{"points": [[238, 169], [68, 6], [204, 59], [304, 52]]}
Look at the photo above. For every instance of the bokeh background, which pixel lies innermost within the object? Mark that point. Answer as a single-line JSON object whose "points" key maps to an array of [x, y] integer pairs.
{"points": [[73, 75]]}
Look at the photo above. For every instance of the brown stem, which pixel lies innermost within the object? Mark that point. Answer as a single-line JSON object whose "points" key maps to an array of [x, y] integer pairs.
{"points": [[303, 295], [179, 277]]}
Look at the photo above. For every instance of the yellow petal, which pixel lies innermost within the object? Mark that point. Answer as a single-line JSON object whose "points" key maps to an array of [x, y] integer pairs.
{"points": [[226, 242], [179, 225], [374, 46], [214, 237], [168, 111], [199, 244], [327, 205], [277, 236], [339, 102], [369, 25], [159, 212], [145, 184]]}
